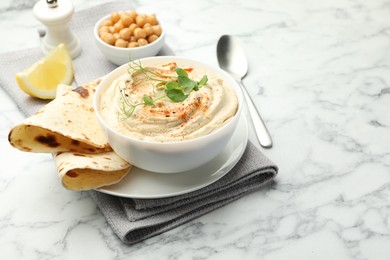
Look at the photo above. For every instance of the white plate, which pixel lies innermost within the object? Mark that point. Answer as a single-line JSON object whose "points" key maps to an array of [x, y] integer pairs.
{"points": [[150, 185]]}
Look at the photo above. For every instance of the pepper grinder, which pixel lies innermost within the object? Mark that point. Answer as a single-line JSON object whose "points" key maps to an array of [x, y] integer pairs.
{"points": [[55, 15]]}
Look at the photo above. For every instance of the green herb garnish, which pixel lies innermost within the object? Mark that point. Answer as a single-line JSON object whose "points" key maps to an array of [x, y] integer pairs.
{"points": [[148, 101], [176, 87]]}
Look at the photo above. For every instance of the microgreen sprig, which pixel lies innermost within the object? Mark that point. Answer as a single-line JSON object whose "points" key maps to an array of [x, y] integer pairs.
{"points": [[176, 87], [180, 89]]}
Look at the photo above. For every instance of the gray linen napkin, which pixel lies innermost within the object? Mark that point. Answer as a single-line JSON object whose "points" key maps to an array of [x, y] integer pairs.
{"points": [[134, 220]]}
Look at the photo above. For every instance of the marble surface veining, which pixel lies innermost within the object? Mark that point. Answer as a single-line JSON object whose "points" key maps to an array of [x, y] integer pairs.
{"points": [[319, 73]]}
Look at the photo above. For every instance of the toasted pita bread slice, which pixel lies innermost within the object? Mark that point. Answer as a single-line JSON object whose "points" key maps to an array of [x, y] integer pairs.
{"points": [[68, 123], [78, 171], [68, 128]]}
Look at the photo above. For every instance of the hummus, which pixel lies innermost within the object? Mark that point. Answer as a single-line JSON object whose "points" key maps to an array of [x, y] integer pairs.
{"points": [[202, 112]]}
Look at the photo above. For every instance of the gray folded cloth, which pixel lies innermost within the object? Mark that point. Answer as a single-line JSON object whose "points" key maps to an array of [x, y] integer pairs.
{"points": [[134, 220]]}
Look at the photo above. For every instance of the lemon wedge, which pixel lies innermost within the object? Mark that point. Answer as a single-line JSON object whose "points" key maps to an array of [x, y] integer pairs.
{"points": [[42, 78]]}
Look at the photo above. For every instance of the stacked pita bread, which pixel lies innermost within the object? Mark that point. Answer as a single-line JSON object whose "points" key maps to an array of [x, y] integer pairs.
{"points": [[68, 128]]}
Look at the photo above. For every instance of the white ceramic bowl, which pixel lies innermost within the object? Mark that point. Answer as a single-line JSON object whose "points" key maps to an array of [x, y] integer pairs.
{"points": [[120, 56], [170, 157]]}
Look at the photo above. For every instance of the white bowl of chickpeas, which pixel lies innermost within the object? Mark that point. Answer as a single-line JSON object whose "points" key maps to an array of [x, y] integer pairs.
{"points": [[128, 35]]}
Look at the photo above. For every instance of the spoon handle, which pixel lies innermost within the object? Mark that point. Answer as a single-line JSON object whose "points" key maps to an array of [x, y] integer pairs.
{"points": [[261, 130]]}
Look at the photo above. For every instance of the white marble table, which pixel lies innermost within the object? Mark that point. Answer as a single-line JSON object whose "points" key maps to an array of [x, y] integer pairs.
{"points": [[319, 73]]}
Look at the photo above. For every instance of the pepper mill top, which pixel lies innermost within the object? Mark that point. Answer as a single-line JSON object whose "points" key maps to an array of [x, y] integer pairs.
{"points": [[56, 15], [52, 3]]}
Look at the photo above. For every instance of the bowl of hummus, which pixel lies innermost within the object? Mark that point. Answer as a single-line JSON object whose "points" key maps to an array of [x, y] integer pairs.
{"points": [[168, 114]]}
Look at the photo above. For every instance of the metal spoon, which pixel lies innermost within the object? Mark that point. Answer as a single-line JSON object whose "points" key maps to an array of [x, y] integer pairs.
{"points": [[232, 59]]}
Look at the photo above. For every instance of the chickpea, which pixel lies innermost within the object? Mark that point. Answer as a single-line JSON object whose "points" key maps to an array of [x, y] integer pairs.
{"points": [[152, 38], [151, 19], [115, 17], [106, 23], [103, 34], [139, 33], [116, 35], [133, 14], [127, 20], [133, 39], [140, 20], [148, 30], [112, 29], [103, 29], [118, 26], [132, 44], [125, 34], [132, 27], [121, 43], [157, 30], [142, 42], [108, 38]]}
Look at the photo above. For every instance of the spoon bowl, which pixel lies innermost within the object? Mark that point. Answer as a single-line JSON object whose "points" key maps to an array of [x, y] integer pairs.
{"points": [[228, 50], [232, 59]]}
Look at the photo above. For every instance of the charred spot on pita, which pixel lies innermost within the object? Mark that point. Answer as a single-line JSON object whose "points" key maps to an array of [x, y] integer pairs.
{"points": [[49, 140], [75, 142], [72, 174], [27, 149], [9, 136], [83, 92], [79, 154]]}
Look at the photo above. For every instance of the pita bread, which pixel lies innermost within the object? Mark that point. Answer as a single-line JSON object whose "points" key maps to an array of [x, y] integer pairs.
{"points": [[68, 128], [78, 171], [68, 123]]}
